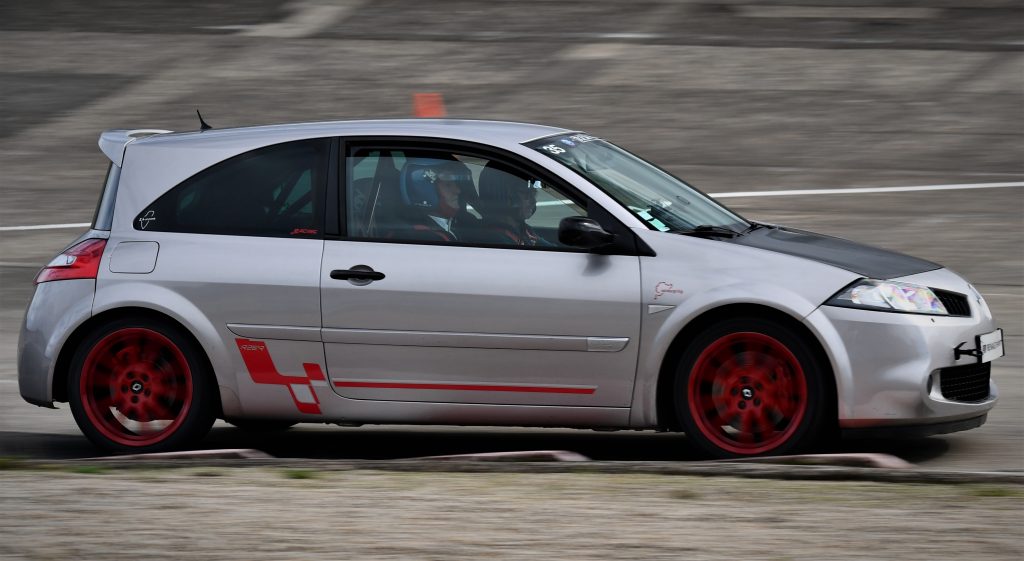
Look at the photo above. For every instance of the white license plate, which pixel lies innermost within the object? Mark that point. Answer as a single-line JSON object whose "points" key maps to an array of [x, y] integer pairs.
{"points": [[990, 345]]}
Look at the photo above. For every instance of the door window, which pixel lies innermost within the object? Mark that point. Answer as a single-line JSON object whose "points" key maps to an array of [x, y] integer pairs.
{"points": [[451, 197]]}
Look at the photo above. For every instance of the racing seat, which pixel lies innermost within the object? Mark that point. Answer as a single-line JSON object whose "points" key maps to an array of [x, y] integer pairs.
{"points": [[385, 201]]}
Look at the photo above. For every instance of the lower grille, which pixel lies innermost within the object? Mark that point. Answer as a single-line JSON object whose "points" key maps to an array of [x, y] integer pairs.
{"points": [[965, 383]]}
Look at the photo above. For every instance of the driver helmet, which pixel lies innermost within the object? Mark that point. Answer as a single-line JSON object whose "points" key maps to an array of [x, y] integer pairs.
{"points": [[420, 181]]}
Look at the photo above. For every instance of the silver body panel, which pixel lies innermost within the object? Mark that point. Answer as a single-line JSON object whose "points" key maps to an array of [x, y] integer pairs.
{"points": [[697, 275], [883, 362], [474, 340], [55, 311], [237, 286], [466, 335], [468, 316]]}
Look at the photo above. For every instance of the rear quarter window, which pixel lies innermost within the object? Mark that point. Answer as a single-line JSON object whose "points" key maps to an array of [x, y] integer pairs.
{"points": [[275, 191]]}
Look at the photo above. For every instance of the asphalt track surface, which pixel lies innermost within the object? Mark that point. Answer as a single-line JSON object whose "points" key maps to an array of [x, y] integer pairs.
{"points": [[733, 97]]}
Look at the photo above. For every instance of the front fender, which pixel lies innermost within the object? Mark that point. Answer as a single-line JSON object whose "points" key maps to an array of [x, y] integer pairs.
{"points": [[662, 328], [690, 277]]}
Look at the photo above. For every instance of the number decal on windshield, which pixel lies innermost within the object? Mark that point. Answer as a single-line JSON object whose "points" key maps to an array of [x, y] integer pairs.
{"points": [[553, 149]]}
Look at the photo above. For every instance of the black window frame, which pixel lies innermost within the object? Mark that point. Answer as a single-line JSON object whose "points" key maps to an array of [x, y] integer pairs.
{"points": [[319, 181], [626, 242], [103, 218]]}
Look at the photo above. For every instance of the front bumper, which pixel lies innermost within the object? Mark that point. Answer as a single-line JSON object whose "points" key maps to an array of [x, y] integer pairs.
{"points": [[887, 365]]}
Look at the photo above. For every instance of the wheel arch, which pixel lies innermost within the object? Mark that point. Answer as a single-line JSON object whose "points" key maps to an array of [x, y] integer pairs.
{"points": [[667, 417], [62, 368]]}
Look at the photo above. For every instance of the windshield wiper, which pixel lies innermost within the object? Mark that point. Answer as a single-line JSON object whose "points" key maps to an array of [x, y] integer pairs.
{"points": [[709, 230], [758, 226]]}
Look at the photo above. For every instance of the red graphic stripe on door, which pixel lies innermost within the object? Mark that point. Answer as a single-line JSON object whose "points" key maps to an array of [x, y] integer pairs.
{"points": [[461, 387], [262, 370]]}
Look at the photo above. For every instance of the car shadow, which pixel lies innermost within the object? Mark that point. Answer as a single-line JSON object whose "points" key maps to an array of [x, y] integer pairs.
{"points": [[384, 443], [43, 446], [913, 450]]}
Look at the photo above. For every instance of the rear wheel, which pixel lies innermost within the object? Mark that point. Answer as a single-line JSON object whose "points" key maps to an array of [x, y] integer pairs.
{"points": [[139, 385], [749, 387]]}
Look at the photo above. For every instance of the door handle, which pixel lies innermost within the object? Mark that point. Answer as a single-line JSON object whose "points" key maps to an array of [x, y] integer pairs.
{"points": [[364, 274]]}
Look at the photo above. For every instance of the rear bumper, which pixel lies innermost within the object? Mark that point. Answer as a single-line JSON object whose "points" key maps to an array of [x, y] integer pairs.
{"points": [[55, 311]]}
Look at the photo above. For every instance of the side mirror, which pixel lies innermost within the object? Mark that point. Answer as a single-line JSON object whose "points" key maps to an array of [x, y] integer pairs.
{"points": [[582, 232]]}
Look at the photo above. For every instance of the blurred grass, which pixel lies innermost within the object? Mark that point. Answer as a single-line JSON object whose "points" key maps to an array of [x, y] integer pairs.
{"points": [[301, 474], [993, 491], [89, 470], [11, 463]]}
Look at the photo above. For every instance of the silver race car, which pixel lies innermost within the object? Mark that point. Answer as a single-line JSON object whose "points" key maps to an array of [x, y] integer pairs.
{"points": [[479, 273]]}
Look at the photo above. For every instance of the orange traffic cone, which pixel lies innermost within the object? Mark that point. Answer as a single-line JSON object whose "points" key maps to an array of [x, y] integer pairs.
{"points": [[428, 105]]}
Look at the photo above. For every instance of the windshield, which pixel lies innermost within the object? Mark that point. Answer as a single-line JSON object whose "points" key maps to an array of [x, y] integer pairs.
{"points": [[660, 200]]}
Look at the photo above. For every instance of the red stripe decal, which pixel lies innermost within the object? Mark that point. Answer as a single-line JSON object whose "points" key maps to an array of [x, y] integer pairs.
{"points": [[313, 371], [262, 370], [462, 387]]}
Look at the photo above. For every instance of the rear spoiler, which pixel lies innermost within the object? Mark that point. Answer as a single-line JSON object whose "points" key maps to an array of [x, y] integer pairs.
{"points": [[113, 142]]}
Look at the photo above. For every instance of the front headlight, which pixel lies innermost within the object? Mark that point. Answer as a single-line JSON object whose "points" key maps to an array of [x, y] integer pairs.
{"points": [[889, 296]]}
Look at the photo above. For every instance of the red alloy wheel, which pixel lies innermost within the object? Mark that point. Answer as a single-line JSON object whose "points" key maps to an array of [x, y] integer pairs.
{"points": [[747, 393], [136, 387]]}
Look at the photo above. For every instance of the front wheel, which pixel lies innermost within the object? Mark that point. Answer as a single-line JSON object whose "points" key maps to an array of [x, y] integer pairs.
{"points": [[139, 385], [749, 387]]}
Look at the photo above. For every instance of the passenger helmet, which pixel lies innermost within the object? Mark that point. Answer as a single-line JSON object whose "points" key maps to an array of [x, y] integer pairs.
{"points": [[504, 193]]}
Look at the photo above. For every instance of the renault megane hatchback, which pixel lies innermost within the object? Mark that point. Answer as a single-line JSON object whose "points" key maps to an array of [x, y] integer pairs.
{"points": [[478, 273]]}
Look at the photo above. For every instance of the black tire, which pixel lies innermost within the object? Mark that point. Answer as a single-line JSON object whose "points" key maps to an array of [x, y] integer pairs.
{"points": [[261, 425], [753, 387], [130, 376]]}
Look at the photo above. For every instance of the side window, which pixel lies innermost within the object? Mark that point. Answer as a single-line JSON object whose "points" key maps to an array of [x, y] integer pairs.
{"points": [[369, 205], [274, 191], [441, 196]]}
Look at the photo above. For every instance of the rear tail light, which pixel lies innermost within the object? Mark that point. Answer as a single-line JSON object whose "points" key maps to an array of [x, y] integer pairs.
{"points": [[80, 261]]}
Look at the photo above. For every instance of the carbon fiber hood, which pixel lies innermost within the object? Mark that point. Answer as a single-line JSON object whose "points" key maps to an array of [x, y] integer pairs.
{"points": [[871, 262]]}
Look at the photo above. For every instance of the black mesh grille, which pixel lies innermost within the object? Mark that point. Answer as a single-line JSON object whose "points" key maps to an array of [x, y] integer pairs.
{"points": [[965, 383], [955, 303]]}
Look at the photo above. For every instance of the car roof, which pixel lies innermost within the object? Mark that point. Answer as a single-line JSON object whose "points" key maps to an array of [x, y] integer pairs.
{"points": [[490, 132], [497, 133]]}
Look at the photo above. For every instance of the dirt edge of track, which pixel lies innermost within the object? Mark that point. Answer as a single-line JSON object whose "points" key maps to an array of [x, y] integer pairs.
{"points": [[702, 469]]}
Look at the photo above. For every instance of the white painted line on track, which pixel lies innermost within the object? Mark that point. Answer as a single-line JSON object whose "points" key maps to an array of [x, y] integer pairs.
{"points": [[836, 12], [21, 265], [859, 190], [307, 18], [782, 193], [44, 227]]}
